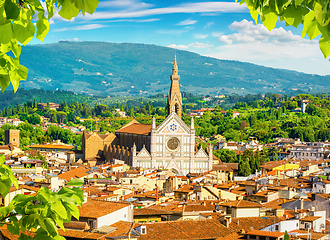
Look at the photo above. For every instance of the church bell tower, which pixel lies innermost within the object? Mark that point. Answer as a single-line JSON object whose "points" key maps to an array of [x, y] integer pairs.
{"points": [[174, 101]]}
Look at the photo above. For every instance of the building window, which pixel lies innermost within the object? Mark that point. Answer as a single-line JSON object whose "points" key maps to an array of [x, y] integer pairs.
{"points": [[276, 227]]}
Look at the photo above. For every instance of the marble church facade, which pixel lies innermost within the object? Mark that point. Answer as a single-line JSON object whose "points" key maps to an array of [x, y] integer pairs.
{"points": [[170, 145]]}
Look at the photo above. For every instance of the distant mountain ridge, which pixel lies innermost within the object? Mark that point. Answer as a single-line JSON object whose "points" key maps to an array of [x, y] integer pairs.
{"points": [[102, 68]]}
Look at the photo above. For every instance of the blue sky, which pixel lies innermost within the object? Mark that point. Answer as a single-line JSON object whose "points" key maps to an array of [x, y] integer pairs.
{"points": [[223, 30]]}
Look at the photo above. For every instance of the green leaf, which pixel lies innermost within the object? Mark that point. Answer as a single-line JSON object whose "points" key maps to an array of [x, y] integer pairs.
{"points": [[6, 33], [58, 237], [30, 221], [4, 82], [13, 227], [22, 72], [50, 8], [50, 227], [57, 207], [298, 2], [318, 12], [14, 79], [75, 182], [308, 18], [58, 220], [25, 237], [73, 209], [5, 183], [269, 19], [42, 27], [16, 48], [44, 194], [11, 9], [324, 44], [313, 30], [23, 34], [2, 159], [79, 193], [289, 15], [68, 10], [4, 211], [86, 5]]}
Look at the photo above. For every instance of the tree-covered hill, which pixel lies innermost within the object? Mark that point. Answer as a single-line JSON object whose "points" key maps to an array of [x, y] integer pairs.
{"points": [[102, 68]]}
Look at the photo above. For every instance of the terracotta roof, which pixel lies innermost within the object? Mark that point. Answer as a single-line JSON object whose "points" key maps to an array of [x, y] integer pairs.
{"points": [[51, 146], [226, 167], [136, 128], [185, 188], [96, 209], [195, 229], [188, 206], [256, 223], [265, 233], [9, 235], [314, 235], [241, 204], [4, 147], [74, 173], [276, 204], [149, 211], [77, 225], [309, 218]]}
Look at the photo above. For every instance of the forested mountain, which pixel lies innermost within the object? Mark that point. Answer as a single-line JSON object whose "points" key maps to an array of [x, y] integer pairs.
{"points": [[102, 68]]}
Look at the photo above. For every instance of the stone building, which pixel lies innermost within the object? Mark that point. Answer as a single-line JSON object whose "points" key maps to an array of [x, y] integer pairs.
{"points": [[171, 145], [12, 137]]}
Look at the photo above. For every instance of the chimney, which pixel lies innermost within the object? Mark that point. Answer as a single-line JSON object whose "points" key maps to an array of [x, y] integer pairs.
{"points": [[301, 203]]}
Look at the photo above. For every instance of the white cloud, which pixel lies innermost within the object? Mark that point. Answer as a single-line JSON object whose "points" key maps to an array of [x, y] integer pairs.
{"points": [[75, 39], [82, 27], [217, 34], [124, 4], [292, 55], [201, 36], [277, 48], [248, 32], [209, 24], [200, 45], [202, 7], [172, 32], [134, 20], [178, 46], [187, 22]]}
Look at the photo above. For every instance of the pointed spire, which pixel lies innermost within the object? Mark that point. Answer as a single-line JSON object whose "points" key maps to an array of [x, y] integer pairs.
{"points": [[192, 124], [153, 122], [175, 67], [134, 150], [174, 97]]}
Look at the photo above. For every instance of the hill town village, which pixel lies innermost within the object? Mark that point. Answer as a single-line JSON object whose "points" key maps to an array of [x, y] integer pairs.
{"points": [[152, 181]]}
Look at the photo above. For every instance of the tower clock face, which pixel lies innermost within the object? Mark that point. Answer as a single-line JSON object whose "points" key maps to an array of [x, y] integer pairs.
{"points": [[173, 144]]}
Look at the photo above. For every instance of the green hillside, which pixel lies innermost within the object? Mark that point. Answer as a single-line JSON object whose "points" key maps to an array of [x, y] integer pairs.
{"points": [[101, 68]]}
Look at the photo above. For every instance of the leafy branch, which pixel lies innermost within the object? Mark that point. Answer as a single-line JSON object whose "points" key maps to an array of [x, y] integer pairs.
{"points": [[313, 14], [40, 213], [17, 27]]}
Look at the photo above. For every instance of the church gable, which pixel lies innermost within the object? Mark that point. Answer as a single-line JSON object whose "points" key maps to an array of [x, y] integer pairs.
{"points": [[173, 124], [174, 166], [144, 153], [201, 153]]}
